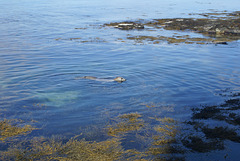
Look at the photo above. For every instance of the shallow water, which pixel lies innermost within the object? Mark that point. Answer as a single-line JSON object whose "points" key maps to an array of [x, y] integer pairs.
{"points": [[40, 58]]}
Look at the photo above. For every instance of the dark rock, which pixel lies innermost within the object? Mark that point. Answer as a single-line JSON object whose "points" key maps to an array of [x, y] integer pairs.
{"points": [[220, 42]]}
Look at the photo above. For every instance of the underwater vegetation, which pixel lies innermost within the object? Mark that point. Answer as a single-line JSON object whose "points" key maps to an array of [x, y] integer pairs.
{"points": [[55, 149], [84, 40], [228, 112], [174, 39], [128, 122], [113, 148], [130, 136], [11, 128]]}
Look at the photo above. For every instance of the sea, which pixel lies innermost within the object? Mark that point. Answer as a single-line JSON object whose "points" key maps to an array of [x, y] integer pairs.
{"points": [[45, 46]]}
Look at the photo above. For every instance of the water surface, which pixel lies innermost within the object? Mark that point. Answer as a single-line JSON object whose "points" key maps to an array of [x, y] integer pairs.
{"points": [[39, 60]]}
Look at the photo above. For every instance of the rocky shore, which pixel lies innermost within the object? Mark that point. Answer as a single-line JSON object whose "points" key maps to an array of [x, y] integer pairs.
{"points": [[213, 27], [217, 28]]}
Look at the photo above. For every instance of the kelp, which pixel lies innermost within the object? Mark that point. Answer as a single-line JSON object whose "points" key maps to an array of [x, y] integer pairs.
{"points": [[127, 122], [74, 149], [159, 138], [12, 128]]}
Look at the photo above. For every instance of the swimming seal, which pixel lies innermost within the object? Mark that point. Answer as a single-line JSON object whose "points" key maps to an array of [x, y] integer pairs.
{"points": [[117, 79]]}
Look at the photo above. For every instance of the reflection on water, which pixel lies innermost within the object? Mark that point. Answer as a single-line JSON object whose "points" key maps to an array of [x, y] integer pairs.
{"points": [[46, 45]]}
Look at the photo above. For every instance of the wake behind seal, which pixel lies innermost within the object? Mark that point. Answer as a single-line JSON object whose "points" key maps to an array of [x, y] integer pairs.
{"points": [[117, 79]]}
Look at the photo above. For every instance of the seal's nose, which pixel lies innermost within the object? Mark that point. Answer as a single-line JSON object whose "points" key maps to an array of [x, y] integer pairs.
{"points": [[123, 79]]}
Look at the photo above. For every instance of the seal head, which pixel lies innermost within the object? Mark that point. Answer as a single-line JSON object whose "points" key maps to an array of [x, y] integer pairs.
{"points": [[119, 79]]}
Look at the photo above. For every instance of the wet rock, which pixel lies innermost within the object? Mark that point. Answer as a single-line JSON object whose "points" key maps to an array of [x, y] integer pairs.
{"points": [[236, 14], [172, 40], [217, 28], [224, 27], [220, 42], [126, 25]]}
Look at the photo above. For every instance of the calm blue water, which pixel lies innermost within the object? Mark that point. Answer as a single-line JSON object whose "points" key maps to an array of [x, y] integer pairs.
{"points": [[37, 71]]}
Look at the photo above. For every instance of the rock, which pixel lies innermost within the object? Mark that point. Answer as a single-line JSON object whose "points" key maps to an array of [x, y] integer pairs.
{"points": [[126, 25], [220, 42], [130, 26], [225, 27], [218, 28]]}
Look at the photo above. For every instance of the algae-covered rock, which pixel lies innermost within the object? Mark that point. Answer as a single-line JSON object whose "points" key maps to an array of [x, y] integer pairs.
{"points": [[227, 27], [217, 28]]}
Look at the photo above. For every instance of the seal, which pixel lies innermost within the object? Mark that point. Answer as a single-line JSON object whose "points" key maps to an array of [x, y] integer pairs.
{"points": [[117, 79], [89, 77]]}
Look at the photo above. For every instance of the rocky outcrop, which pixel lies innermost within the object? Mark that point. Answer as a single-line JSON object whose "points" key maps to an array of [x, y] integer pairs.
{"points": [[126, 25], [227, 27]]}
